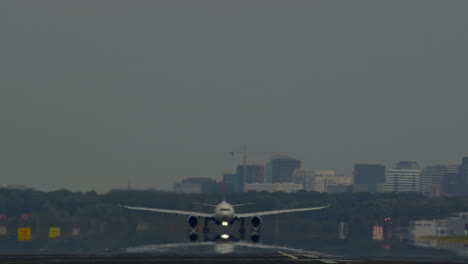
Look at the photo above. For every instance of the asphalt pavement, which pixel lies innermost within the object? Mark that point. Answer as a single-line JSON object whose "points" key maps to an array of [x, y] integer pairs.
{"points": [[277, 258]]}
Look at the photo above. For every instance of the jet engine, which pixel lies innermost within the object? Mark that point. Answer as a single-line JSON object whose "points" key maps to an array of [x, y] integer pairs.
{"points": [[193, 236], [192, 222], [255, 237], [256, 222]]}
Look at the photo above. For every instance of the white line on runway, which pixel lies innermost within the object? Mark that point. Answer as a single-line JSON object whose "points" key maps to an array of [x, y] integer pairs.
{"points": [[287, 255]]}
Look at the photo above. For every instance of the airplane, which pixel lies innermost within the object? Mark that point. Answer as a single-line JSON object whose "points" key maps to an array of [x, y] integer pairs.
{"points": [[224, 215]]}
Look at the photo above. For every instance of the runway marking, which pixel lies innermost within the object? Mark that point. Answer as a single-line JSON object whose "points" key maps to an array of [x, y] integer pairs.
{"points": [[287, 255], [328, 261]]}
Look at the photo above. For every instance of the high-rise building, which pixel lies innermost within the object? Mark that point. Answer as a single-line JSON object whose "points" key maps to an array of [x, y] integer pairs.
{"points": [[368, 177], [452, 183], [232, 182], [254, 173], [404, 178], [268, 173], [434, 179], [464, 175], [281, 168]]}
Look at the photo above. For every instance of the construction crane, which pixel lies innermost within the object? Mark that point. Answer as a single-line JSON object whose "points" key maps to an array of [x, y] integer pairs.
{"points": [[244, 162]]}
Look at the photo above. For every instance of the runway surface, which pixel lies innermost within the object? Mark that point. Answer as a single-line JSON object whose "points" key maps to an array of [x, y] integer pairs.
{"points": [[278, 258], [204, 252]]}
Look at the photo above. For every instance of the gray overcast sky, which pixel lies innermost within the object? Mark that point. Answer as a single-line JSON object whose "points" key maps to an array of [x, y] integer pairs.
{"points": [[93, 93]]}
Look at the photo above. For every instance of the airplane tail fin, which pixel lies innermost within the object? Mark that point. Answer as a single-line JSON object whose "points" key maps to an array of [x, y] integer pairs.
{"points": [[237, 205]]}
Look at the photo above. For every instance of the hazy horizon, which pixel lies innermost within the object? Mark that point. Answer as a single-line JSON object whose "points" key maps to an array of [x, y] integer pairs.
{"points": [[94, 94]]}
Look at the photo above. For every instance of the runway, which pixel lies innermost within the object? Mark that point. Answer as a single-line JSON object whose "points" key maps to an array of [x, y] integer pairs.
{"points": [[278, 258], [207, 252]]}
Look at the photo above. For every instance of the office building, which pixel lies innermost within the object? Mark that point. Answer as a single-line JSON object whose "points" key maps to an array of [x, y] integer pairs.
{"points": [[464, 176], [254, 173], [407, 165], [330, 184], [303, 176], [452, 183], [368, 177], [321, 180], [404, 178], [433, 178], [268, 173], [281, 168], [232, 182]]}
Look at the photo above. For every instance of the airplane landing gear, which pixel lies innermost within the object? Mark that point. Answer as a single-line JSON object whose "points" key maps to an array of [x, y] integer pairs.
{"points": [[205, 227], [242, 230], [206, 230]]}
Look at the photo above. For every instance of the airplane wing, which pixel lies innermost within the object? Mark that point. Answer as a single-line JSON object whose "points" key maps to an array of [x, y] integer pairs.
{"points": [[238, 205], [274, 212], [168, 211]]}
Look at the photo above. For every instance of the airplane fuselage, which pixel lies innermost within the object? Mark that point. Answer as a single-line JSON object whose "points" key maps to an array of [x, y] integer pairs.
{"points": [[224, 213]]}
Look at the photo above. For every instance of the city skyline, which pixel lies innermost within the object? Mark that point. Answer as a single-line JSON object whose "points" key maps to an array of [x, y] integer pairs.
{"points": [[232, 171], [433, 180]]}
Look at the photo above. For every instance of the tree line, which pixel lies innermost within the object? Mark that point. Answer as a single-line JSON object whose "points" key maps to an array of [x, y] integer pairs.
{"points": [[103, 223]]}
